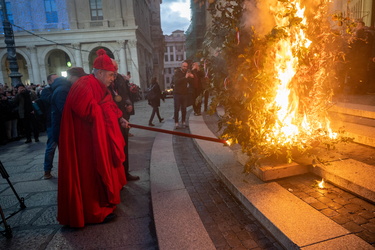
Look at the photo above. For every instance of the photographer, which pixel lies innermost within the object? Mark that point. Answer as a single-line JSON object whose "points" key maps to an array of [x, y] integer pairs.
{"points": [[26, 113], [182, 79]]}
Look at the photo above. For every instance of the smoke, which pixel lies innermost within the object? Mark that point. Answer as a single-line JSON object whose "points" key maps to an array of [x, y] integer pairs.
{"points": [[257, 14]]}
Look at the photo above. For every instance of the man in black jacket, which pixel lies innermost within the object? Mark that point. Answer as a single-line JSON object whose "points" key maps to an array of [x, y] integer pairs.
{"points": [[121, 95], [182, 78]]}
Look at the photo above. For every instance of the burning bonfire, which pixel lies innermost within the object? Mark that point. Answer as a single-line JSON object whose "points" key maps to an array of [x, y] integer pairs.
{"points": [[278, 85]]}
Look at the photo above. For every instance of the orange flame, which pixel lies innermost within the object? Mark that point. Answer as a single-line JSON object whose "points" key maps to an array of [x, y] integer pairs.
{"points": [[291, 124], [321, 184]]}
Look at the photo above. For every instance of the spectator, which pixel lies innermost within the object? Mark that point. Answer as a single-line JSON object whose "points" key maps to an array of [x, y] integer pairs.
{"points": [[26, 113], [45, 97], [154, 100], [11, 125], [181, 80], [197, 88], [132, 97], [4, 118], [121, 95], [60, 90]]}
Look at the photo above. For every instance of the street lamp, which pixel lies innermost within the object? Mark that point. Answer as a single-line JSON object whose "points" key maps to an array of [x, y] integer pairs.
{"points": [[11, 49]]}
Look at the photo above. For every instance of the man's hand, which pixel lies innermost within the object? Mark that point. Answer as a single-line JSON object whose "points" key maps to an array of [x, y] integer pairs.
{"points": [[124, 123]]}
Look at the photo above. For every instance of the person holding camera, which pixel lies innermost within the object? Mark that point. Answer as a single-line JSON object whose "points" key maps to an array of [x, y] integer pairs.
{"points": [[26, 112], [182, 79]]}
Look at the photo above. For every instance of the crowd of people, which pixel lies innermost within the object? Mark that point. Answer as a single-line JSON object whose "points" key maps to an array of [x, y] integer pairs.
{"points": [[18, 117], [190, 88]]}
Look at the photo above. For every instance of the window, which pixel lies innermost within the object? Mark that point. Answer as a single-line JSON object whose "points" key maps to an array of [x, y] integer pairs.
{"points": [[172, 58], [96, 9], [51, 11], [170, 48], [166, 58], [170, 70], [168, 80]]}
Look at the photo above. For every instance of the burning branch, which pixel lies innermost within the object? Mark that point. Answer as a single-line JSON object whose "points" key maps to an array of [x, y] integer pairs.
{"points": [[281, 83]]}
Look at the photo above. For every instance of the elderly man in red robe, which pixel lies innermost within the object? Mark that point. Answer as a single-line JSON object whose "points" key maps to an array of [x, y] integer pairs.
{"points": [[91, 150]]}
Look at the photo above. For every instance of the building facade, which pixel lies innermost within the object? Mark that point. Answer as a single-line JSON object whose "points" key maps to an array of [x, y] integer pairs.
{"points": [[197, 29], [174, 54], [53, 35]]}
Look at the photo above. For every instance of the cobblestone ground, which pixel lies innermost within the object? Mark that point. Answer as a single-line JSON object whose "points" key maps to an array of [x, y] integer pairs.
{"points": [[351, 212], [226, 220]]}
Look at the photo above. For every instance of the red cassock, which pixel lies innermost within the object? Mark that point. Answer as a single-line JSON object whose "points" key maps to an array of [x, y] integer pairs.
{"points": [[91, 153]]}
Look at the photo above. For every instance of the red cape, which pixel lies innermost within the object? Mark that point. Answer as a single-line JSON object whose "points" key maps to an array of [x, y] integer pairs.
{"points": [[91, 153]]}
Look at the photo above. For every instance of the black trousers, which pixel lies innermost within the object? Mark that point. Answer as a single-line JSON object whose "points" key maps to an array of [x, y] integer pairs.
{"points": [[155, 110], [125, 134], [30, 125]]}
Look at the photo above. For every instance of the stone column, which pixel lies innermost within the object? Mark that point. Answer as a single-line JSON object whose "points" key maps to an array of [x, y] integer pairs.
{"points": [[133, 62], [118, 15], [43, 73], [77, 54], [86, 67], [35, 67], [73, 14], [4, 80], [122, 69]]}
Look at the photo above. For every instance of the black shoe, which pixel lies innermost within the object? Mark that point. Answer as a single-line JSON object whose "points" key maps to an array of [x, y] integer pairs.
{"points": [[36, 140], [151, 124], [130, 177], [109, 218], [161, 119], [28, 141]]}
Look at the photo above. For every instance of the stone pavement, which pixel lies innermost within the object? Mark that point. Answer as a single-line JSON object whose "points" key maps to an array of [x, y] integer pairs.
{"points": [[191, 206], [36, 227]]}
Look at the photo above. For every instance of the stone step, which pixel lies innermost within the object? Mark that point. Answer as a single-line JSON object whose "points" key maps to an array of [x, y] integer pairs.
{"points": [[295, 224], [351, 175], [357, 120], [360, 110]]}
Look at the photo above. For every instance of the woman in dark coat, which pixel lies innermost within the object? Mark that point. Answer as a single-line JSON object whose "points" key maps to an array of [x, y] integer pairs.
{"points": [[154, 97]]}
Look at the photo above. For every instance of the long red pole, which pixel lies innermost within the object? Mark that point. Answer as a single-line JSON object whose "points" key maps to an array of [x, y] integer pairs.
{"points": [[201, 137]]}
